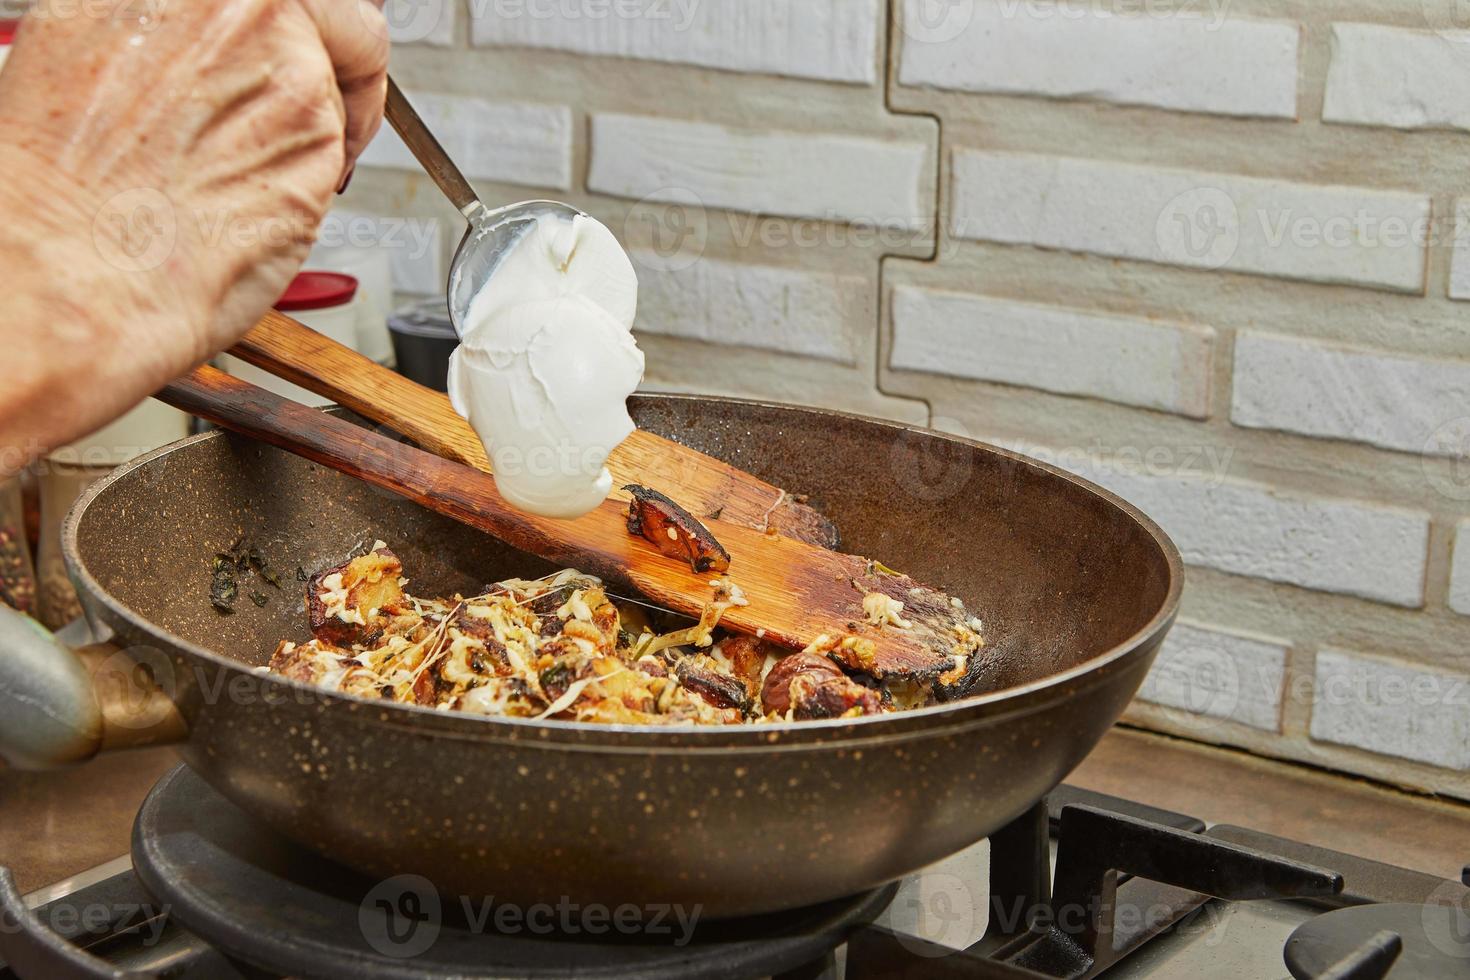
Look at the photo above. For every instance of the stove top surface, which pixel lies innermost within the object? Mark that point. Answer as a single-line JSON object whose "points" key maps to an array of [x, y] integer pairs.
{"points": [[1421, 942], [1084, 886]]}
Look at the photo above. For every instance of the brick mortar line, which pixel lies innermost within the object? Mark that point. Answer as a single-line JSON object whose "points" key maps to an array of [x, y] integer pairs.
{"points": [[889, 81]]}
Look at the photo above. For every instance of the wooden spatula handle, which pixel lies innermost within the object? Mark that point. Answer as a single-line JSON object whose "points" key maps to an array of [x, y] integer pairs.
{"points": [[442, 485], [296, 353], [701, 484]]}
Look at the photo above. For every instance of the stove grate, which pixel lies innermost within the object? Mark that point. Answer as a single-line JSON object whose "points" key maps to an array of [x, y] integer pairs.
{"points": [[1124, 874]]}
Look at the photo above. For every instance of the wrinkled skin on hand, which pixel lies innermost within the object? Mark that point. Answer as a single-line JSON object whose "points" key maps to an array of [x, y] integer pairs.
{"points": [[166, 164]]}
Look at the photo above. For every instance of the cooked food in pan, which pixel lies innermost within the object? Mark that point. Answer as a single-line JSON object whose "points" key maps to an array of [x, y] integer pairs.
{"points": [[561, 647]]}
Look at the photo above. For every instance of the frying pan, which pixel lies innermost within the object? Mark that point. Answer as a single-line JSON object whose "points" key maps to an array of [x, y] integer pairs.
{"points": [[1076, 588]]}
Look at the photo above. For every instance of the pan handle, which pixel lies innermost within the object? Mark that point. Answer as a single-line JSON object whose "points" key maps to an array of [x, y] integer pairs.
{"points": [[60, 707]]}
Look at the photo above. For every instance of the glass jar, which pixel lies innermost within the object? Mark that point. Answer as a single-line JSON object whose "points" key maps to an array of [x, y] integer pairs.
{"points": [[61, 484]]}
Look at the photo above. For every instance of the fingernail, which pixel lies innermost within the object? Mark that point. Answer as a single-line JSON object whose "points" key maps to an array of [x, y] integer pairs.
{"points": [[348, 179]]}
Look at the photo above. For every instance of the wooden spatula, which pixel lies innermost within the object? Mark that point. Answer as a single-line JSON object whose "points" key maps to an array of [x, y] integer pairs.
{"points": [[797, 593], [701, 484]]}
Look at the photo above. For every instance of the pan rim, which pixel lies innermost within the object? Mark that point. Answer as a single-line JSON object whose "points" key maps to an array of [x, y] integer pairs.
{"points": [[925, 721]]}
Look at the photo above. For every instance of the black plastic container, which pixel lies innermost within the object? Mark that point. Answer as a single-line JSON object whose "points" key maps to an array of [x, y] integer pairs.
{"points": [[423, 339]]}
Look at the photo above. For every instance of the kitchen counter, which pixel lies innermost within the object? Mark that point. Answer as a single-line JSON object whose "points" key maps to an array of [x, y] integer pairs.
{"points": [[1342, 813], [58, 824], [55, 824]]}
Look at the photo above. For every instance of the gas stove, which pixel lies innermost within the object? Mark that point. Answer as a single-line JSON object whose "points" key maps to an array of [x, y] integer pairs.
{"points": [[1084, 885]]}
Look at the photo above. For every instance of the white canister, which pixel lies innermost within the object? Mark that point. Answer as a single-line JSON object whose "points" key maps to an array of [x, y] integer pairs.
{"points": [[324, 301], [349, 243], [147, 426]]}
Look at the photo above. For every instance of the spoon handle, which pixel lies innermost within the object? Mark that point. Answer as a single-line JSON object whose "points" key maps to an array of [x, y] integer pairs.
{"points": [[416, 136]]}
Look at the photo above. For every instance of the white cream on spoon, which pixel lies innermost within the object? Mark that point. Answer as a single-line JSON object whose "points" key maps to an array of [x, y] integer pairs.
{"points": [[546, 363]]}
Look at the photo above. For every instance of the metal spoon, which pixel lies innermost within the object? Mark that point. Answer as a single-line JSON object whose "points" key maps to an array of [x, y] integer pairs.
{"points": [[491, 233]]}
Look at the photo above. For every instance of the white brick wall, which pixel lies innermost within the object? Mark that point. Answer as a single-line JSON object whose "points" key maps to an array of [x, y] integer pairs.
{"points": [[421, 21], [796, 312], [1460, 570], [1144, 183], [1460, 267], [1135, 362], [1316, 389], [825, 39], [1393, 709], [1220, 674], [1193, 219], [421, 271], [415, 246], [1346, 546], [1406, 79], [518, 143], [878, 181], [1184, 62]]}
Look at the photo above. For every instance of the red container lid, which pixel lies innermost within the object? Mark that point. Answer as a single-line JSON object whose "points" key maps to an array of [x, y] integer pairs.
{"points": [[7, 30], [318, 291]]}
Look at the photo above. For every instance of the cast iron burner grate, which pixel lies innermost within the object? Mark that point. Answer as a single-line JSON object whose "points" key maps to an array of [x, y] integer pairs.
{"points": [[1389, 923], [273, 908], [1422, 942], [269, 902], [263, 907]]}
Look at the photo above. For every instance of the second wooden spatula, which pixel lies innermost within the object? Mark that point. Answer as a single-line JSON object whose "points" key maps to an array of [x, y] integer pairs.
{"points": [[702, 484]]}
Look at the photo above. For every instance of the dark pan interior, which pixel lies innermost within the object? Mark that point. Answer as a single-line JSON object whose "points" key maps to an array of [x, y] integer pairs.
{"points": [[1058, 573]]}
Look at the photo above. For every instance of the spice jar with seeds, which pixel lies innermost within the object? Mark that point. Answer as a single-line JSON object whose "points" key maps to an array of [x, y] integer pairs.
{"points": [[68, 471], [61, 483], [17, 576]]}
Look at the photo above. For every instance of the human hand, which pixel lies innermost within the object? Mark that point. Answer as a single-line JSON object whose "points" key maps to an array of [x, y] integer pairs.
{"points": [[167, 164]]}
